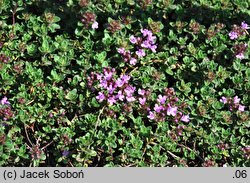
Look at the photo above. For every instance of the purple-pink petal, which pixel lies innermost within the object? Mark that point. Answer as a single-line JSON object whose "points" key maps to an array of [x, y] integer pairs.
{"points": [[111, 100], [95, 25], [223, 100], [133, 39], [240, 56], [129, 90], [185, 118], [110, 89], [125, 78], [244, 25], [142, 101], [132, 61], [233, 35], [120, 96], [100, 97], [158, 108], [241, 108], [141, 92], [119, 82], [146, 32], [145, 44], [140, 53], [236, 100], [121, 50], [171, 110], [4, 101], [151, 115], [130, 98], [103, 84], [162, 99]]}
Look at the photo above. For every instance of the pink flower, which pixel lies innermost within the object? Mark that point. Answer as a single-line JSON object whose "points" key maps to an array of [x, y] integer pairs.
{"points": [[119, 82], [153, 48], [132, 61], [171, 110], [133, 39], [233, 35], [236, 100], [151, 115], [140, 53], [162, 99], [95, 25], [151, 38], [51, 115], [120, 96], [121, 50], [244, 25], [145, 44], [99, 76], [158, 108], [4, 101], [185, 118], [130, 98], [240, 56], [111, 100], [141, 92], [241, 108], [223, 100], [142, 101], [125, 78], [103, 84], [108, 75], [110, 89], [100, 96], [146, 32], [129, 90]]}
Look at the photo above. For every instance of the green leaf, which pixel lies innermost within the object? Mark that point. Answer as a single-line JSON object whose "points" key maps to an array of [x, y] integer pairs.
{"points": [[101, 56], [169, 71], [72, 95], [45, 46], [31, 49], [56, 77]]}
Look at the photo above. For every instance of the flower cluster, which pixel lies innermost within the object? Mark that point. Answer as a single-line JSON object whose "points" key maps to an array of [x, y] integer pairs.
{"points": [[114, 89], [89, 19], [246, 152], [145, 3], [223, 146], [127, 56], [35, 152], [4, 58], [195, 27], [209, 163], [83, 3], [66, 139], [147, 41], [5, 109], [214, 29], [167, 105], [237, 32], [233, 103], [179, 130], [2, 139], [91, 78], [65, 153], [114, 26], [240, 49]]}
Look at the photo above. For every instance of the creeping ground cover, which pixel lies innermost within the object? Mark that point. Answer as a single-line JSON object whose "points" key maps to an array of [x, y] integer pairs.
{"points": [[139, 83]]}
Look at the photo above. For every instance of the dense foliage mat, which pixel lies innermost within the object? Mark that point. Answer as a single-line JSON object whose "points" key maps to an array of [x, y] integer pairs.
{"points": [[124, 83]]}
